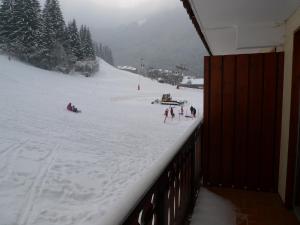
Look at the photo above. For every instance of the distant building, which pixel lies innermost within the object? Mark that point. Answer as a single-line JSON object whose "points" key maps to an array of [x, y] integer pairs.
{"points": [[192, 82], [128, 68]]}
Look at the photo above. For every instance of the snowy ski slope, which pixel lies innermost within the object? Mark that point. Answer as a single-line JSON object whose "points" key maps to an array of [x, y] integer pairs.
{"points": [[61, 168]]}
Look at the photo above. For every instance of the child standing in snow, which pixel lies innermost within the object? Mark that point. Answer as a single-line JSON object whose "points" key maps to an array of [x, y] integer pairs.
{"points": [[172, 113], [194, 113], [181, 110], [166, 114], [191, 109]]}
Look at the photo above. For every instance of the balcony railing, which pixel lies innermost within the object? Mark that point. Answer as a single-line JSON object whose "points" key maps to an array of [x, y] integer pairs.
{"points": [[166, 195]]}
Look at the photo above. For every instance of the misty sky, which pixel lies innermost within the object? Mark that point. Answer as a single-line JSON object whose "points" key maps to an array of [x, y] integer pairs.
{"points": [[106, 17], [111, 13]]}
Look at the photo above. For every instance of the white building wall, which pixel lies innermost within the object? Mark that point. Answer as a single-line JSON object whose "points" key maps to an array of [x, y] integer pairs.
{"points": [[245, 39], [292, 24]]}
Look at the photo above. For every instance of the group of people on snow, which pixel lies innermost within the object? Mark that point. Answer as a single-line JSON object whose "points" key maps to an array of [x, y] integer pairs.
{"points": [[167, 113], [72, 108], [181, 112]]}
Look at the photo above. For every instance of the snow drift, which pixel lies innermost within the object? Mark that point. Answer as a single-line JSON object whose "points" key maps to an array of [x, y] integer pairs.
{"points": [[212, 209]]}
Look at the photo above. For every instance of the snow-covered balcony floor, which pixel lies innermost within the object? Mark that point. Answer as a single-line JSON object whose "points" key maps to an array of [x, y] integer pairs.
{"points": [[251, 208]]}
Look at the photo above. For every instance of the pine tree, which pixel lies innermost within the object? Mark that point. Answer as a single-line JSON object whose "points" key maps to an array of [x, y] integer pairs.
{"points": [[6, 15], [87, 43], [74, 40], [82, 34], [107, 55], [54, 20], [71, 58], [53, 34], [42, 38], [101, 55], [98, 49], [104, 52], [36, 46], [110, 57], [25, 36]]}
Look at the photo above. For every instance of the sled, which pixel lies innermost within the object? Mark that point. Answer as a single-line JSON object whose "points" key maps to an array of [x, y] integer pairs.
{"points": [[78, 111]]}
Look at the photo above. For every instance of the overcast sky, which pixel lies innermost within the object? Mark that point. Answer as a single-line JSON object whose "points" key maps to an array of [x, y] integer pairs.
{"points": [[107, 13]]}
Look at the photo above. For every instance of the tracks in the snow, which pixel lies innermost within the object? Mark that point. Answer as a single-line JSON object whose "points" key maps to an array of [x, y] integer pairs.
{"points": [[37, 187], [8, 157], [11, 148]]}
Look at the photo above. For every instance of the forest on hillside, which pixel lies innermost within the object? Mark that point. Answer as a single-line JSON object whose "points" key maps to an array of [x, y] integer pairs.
{"points": [[40, 36]]}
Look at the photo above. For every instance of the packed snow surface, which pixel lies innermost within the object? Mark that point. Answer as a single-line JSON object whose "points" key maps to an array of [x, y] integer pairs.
{"points": [[212, 209], [61, 168]]}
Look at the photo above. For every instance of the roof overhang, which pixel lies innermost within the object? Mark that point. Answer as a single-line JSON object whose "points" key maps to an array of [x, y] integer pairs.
{"points": [[240, 26]]}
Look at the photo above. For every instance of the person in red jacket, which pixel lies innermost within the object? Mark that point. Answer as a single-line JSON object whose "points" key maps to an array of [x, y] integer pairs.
{"points": [[72, 108], [69, 107]]}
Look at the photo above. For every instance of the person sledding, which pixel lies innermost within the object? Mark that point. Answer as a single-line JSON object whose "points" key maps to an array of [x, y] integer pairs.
{"points": [[72, 108]]}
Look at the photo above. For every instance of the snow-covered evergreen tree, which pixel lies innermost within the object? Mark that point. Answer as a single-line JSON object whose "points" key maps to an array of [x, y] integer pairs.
{"points": [[74, 40], [104, 52], [53, 34], [100, 50], [87, 43], [43, 39], [6, 27], [26, 33], [107, 55], [90, 48], [54, 20], [97, 49], [67, 45]]}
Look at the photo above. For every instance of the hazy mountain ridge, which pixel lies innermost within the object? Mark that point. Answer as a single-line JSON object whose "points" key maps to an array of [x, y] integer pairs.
{"points": [[164, 40]]}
